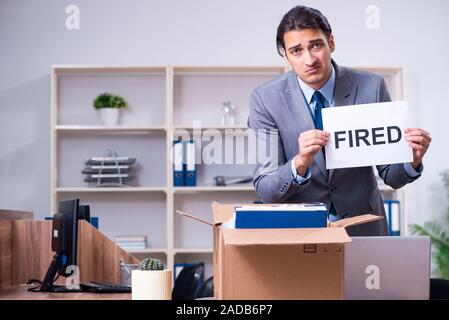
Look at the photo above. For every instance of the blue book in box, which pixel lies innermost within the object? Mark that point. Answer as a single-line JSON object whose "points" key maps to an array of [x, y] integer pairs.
{"points": [[282, 216]]}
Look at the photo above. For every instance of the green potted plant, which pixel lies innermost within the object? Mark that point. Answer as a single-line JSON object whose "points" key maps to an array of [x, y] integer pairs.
{"points": [[108, 106], [152, 281], [439, 234]]}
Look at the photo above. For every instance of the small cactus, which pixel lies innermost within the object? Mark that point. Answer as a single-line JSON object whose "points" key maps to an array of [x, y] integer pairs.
{"points": [[151, 264]]}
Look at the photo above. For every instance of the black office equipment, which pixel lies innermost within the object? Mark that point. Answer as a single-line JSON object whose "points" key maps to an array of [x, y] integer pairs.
{"points": [[188, 282], [84, 213], [206, 290], [104, 287], [64, 244], [439, 289]]}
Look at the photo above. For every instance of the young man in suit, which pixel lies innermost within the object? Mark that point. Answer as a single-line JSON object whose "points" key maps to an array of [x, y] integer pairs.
{"points": [[288, 110]]}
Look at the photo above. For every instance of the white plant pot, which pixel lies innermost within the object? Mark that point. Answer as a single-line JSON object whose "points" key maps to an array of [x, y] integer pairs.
{"points": [[151, 284], [109, 116]]}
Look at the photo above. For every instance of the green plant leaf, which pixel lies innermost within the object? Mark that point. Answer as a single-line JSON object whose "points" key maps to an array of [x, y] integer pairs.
{"points": [[436, 233], [108, 100]]}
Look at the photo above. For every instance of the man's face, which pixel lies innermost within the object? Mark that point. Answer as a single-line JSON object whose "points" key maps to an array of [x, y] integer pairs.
{"points": [[308, 52]]}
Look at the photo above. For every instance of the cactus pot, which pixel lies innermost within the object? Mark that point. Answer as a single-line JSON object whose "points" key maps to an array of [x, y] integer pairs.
{"points": [[151, 284]]}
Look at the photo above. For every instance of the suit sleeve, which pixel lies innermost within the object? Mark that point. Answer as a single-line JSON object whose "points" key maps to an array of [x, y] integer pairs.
{"points": [[393, 175], [273, 178]]}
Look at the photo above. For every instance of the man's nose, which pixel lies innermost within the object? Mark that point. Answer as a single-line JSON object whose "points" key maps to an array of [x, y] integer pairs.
{"points": [[309, 57]]}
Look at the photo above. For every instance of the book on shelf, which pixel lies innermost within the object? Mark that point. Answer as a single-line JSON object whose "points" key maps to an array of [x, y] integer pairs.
{"points": [[131, 242], [127, 247], [130, 238]]}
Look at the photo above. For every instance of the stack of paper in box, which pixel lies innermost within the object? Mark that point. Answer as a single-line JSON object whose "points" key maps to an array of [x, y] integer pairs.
{"points": [[131, 242], [304, 215]]}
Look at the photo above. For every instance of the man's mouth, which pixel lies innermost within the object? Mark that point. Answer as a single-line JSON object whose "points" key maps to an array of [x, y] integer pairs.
{"points": [[312, 70]]}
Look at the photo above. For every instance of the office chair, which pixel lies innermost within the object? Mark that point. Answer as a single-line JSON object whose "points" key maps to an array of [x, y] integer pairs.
{"points": [[439, 289], [206, 290], [189, 280]]}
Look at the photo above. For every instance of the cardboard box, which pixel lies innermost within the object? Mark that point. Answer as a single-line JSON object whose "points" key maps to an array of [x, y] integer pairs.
{"points": [[302, 263]]}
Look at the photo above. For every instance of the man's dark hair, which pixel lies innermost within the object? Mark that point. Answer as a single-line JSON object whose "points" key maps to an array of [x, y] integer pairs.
{"points": [[300, 18]]}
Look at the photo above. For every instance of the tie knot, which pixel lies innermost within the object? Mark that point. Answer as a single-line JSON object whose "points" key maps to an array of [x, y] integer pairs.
{"points": [[318, 98]]}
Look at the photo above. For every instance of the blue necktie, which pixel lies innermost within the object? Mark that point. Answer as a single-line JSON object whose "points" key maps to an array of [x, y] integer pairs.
{"points": [[319, 105]]}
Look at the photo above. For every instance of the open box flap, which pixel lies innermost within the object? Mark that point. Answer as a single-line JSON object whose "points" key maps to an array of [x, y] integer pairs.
{"points": [[188, 215], [249, 237], [222, 212], [353, 221]]}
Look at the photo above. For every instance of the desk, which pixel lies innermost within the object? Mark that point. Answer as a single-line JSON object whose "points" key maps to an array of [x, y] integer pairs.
{"points": [[26, 253], [21, 293]]}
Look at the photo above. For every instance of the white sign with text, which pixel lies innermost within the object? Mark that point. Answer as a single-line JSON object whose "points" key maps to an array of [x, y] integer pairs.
{"points": [[366, 135]]}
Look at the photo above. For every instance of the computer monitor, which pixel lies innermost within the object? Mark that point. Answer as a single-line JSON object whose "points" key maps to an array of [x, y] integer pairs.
{"points": [[84, 212], [64, 245]]}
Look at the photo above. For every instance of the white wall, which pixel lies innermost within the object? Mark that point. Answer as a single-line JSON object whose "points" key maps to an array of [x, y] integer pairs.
{"points": [[413, 34]]}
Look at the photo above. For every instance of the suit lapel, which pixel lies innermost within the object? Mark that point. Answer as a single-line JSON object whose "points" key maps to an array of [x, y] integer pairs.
{"points": [[296, 104], [344, 93]]}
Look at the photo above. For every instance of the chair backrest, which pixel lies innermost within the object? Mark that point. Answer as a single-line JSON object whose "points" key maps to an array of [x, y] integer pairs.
{"points": [[187, 283], [439, 289], [206, 290]]}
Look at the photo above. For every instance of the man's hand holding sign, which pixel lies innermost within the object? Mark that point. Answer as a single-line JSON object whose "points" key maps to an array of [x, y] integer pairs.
{"points": [[366, 135], [419, 140]]}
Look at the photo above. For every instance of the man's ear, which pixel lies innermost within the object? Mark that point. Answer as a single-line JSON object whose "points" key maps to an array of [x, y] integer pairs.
{"points": [[331, 42], [284, 55]]}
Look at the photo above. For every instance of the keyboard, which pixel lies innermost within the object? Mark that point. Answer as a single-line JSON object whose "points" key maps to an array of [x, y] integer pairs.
{"points": [[104, 287]]}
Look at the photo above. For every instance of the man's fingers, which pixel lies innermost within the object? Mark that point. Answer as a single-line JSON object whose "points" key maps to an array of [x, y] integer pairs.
{"points": [[312, 142], [318, 134], [416, 131], [418, 139], [313, 136], [312, 149], [416, 146]]}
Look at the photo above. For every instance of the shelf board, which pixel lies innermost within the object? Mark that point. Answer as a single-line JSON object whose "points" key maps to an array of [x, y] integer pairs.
{"points": [[212, 188], [147, 250], [228, 70], [210, 126], [193, 250], [65, 69], [99, 128], [112, 189]]}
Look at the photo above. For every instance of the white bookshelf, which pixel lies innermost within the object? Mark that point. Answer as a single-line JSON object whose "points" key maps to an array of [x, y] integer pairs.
{"points": [[100, 128], [213, 188], [163, 101], [111, 189]]}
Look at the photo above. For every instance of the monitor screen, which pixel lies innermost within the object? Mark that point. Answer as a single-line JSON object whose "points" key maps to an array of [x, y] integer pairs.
{"points": [[65, 233]]}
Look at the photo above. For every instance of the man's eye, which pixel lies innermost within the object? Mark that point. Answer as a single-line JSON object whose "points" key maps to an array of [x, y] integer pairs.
{"points": [[296, 51], [317, 45]]}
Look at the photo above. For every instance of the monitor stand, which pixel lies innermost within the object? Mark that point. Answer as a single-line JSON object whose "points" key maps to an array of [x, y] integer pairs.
{"points": [[47, 284]]}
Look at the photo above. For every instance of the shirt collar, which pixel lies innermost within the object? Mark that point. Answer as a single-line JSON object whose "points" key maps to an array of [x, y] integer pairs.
{"points": [[327, 90]]}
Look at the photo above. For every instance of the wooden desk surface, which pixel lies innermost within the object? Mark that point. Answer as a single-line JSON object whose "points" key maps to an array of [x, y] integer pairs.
{"points": [[21, 293]]}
